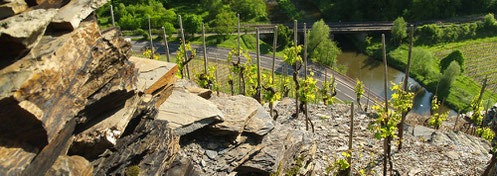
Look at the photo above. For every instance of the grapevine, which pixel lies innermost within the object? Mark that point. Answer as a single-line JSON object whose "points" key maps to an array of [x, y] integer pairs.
{"points": [[327, 91], [179, 58], [207, 81], [359, 91], [291, 57], [436, 118]]}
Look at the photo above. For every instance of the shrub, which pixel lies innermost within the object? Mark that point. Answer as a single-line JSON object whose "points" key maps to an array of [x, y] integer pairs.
{"points": [[454, 56], [143, 33], [422, 63], [133, 170]]}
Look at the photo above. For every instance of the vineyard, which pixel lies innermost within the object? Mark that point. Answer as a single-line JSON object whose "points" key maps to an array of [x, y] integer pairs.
{"points": [[481, 59]]}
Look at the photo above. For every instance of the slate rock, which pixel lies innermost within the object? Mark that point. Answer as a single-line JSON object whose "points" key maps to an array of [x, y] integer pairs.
{"points": [[150, 145], [150, 71], [71, 166], [237, 111], [187, 112], [15, 157], [12, 7], [58, 79], [423, 132], [20, 33], [280, 146], [260, 124], [70, 16]]}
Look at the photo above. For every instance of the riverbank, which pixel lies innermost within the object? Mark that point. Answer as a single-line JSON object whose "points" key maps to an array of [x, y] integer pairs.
{"points": [[464, 88]]}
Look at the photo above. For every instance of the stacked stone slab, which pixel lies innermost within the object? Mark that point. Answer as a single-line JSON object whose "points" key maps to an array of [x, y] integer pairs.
{"points": [[68, 88]]}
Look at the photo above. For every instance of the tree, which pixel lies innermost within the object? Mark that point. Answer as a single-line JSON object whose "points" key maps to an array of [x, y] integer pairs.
{"points": [[225, 22], [448, 77], [399, 29], [291, 11], [326, 53], [454, 56], [319, 33], [321, 48], [249, 9], [192, 23]]}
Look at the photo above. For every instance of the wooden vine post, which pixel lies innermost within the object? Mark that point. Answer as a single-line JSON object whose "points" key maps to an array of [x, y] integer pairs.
{"points": [[351, 135], [150, 36], [258, 89], [295, 72], [386, 143], [406, 82], [275, 41], [204, 49], [112, 15], [305, 51], [184, 45], [241, 87], [218, 82], [165, 43], [305, 74]]}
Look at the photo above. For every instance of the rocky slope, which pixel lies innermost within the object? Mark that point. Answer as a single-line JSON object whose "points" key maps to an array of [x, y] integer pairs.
{"points": [[425, 152]]}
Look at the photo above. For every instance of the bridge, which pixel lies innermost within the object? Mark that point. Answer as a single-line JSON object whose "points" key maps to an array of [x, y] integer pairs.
{"points": [[347, 27]]}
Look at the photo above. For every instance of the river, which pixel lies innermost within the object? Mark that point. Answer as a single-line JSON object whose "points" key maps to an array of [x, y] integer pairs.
{"points": [[371, 71]]}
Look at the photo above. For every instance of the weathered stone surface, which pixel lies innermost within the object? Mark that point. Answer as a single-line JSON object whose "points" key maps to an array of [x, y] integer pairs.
{"points": [[150, 71], [201, 92], [15, 157], [182, 166], [193, 88], [70, 166], [237, 111], [54, 82], [97, 138], [151, 145], [187, 112], [22, 32], [12, 7], [260, 124], [423, 132], [70, 16], [280, 147]]}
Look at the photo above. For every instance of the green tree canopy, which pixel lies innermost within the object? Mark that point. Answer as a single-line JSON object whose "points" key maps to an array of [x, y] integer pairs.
{"points": [[326, 53], [192, 23], [321, 48], [225, 22], [319, 33], [249, 9], [399, 29]]}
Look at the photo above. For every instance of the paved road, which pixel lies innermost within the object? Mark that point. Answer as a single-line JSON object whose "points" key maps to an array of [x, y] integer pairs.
{"points": [[345, 85]]}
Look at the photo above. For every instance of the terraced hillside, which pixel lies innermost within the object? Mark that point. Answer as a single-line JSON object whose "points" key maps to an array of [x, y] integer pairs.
{"points": [[481, 58]]}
